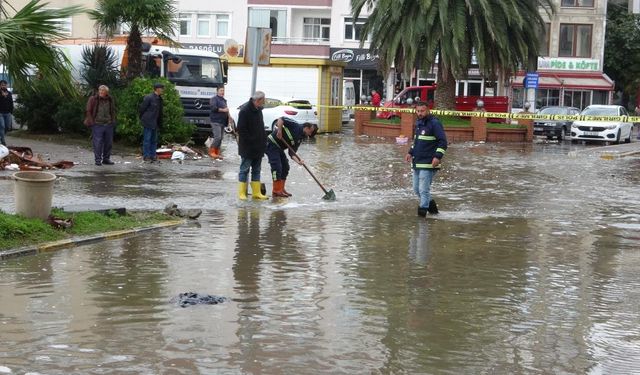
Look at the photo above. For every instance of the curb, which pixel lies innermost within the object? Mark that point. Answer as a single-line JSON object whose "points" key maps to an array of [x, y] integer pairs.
{"points": [[73, 242]]}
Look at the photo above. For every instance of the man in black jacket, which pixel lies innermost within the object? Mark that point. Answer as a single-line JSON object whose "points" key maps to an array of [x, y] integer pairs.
{"points": [[6, 109], [151, 118], [252, 142]]}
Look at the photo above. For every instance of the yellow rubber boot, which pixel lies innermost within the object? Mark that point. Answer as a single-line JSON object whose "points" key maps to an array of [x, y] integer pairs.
{"points": [[255, 191], [242, 190]]}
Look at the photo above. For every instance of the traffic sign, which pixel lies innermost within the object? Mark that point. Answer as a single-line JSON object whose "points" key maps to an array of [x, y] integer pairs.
{"points": [[531, 80]]}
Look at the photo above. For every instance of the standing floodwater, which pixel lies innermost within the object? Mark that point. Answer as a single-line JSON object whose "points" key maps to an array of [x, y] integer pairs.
{"points": [[531, 267]]}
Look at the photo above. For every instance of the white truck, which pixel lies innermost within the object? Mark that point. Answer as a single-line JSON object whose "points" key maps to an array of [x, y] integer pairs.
{"points": [[197, 74]]}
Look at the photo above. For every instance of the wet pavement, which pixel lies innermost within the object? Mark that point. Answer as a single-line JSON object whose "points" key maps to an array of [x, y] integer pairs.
{"points": [[531, 267]]}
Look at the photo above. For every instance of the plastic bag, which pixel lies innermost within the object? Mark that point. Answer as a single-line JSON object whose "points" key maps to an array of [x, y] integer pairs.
{"points": [[208, 142], [4, 152]]}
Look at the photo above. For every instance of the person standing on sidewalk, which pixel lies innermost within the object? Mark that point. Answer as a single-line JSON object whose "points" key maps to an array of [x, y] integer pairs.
{"points": [[375, 98], [428, 149], [252, 142], [151, 118], [287, 133], [219, 117], [6, 109], [101, 117]]}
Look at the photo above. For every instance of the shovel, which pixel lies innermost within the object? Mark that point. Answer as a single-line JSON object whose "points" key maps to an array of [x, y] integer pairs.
{"points": [[328, 195]]}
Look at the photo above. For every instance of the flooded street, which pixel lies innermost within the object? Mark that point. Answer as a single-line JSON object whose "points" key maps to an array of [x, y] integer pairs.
{"points": [[530, 268]]}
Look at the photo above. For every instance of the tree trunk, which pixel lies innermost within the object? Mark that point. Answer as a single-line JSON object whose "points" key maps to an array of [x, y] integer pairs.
{"points": [[445, 97], [134, 53]]}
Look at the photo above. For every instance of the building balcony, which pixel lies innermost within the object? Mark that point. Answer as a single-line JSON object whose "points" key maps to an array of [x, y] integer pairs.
{"points": [[300, 47], [300, 40]]}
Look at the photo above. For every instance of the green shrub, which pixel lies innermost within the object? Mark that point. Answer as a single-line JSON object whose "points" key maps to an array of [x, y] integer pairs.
{"points": [[70, 115], [42, 110], [129, 129]]}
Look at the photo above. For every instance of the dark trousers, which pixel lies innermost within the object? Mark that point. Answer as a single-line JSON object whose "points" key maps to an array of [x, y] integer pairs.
{"points": [[278, 162], [102, 142], [149, 143]]}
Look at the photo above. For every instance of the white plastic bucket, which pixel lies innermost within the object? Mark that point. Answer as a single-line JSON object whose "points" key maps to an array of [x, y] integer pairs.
{"points": [[33, 193]]}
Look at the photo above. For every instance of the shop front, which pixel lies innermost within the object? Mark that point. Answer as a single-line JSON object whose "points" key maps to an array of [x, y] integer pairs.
{"points": [[362, 69], [571, 82]]}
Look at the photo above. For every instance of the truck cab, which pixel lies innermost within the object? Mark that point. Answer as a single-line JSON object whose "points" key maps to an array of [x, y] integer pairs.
{"points": [[196, 74]]}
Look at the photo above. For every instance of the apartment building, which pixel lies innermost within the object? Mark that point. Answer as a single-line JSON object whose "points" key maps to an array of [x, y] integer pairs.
{"points": [[316, 44], [571, 58]]}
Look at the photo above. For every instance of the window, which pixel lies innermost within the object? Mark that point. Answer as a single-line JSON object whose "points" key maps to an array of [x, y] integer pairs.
{"points": [[575, 40], [315, 29], [543, 49], [577, 3], [222, 25], [185, 24], [274, 19], [577, 98], [547, 97], [203, 25], [353, 30], [517, 97], [123, 28], [600, 97], [474, 89]]}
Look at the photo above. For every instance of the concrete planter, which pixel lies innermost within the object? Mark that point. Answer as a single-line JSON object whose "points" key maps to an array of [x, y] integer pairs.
{"points": [[33, 193]]}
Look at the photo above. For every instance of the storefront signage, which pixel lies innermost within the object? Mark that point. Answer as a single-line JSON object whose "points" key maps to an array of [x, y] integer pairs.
{"points": [[356, 58], [219, 49], [568, 63]]}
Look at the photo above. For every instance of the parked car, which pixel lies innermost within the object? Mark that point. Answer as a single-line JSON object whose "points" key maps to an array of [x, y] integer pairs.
{"points": [[298, 109], [554, 128], [603, 131]]}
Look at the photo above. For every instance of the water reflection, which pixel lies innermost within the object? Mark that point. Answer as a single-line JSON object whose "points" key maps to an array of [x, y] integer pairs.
{"points": [[530, 268]]}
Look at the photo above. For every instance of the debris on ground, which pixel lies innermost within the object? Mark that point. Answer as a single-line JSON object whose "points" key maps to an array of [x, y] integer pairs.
{"points": [[191, 298], [22, 158], [169, 151], [173, 210], [59, 223]]}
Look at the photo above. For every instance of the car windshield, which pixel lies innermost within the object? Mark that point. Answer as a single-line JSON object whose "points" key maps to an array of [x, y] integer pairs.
{"points": [[554, 111], [601, 111], [194, 71]]}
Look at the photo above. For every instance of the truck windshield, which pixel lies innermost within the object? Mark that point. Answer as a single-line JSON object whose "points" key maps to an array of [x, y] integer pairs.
{"points": [[194, 71]]}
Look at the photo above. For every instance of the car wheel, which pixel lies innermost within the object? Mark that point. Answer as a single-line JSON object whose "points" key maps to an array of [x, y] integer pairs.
{"points": [[619, 137], [549, 137], [628, 139], [560, 135]]}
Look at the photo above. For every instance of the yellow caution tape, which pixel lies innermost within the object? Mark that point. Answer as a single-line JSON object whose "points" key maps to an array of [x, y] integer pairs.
{"points": [[501, 115]]}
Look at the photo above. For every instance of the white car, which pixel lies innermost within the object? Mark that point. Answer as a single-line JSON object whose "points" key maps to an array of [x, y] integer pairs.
{"points": [[298, 109], [603, 131]]}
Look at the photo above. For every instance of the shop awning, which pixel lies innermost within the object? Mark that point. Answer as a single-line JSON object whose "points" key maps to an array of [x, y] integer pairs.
{"points": [[587, 81]]}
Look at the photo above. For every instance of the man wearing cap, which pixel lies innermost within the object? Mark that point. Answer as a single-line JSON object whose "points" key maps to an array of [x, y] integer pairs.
{"points": [[151, 118]]}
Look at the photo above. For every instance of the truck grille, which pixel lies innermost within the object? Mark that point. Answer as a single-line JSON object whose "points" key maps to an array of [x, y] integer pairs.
{"points": [[196, 107]]}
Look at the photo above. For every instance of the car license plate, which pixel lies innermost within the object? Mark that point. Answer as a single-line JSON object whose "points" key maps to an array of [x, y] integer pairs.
{"points": [[538, 129], [592, 133]]}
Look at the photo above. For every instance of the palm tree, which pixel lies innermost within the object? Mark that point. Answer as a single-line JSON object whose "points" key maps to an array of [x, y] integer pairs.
{"points": [[504, 34], [156, 16], [26, 44]]}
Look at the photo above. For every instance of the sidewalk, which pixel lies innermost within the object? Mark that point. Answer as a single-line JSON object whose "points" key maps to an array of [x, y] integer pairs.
{"points": [[610, 152]]}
